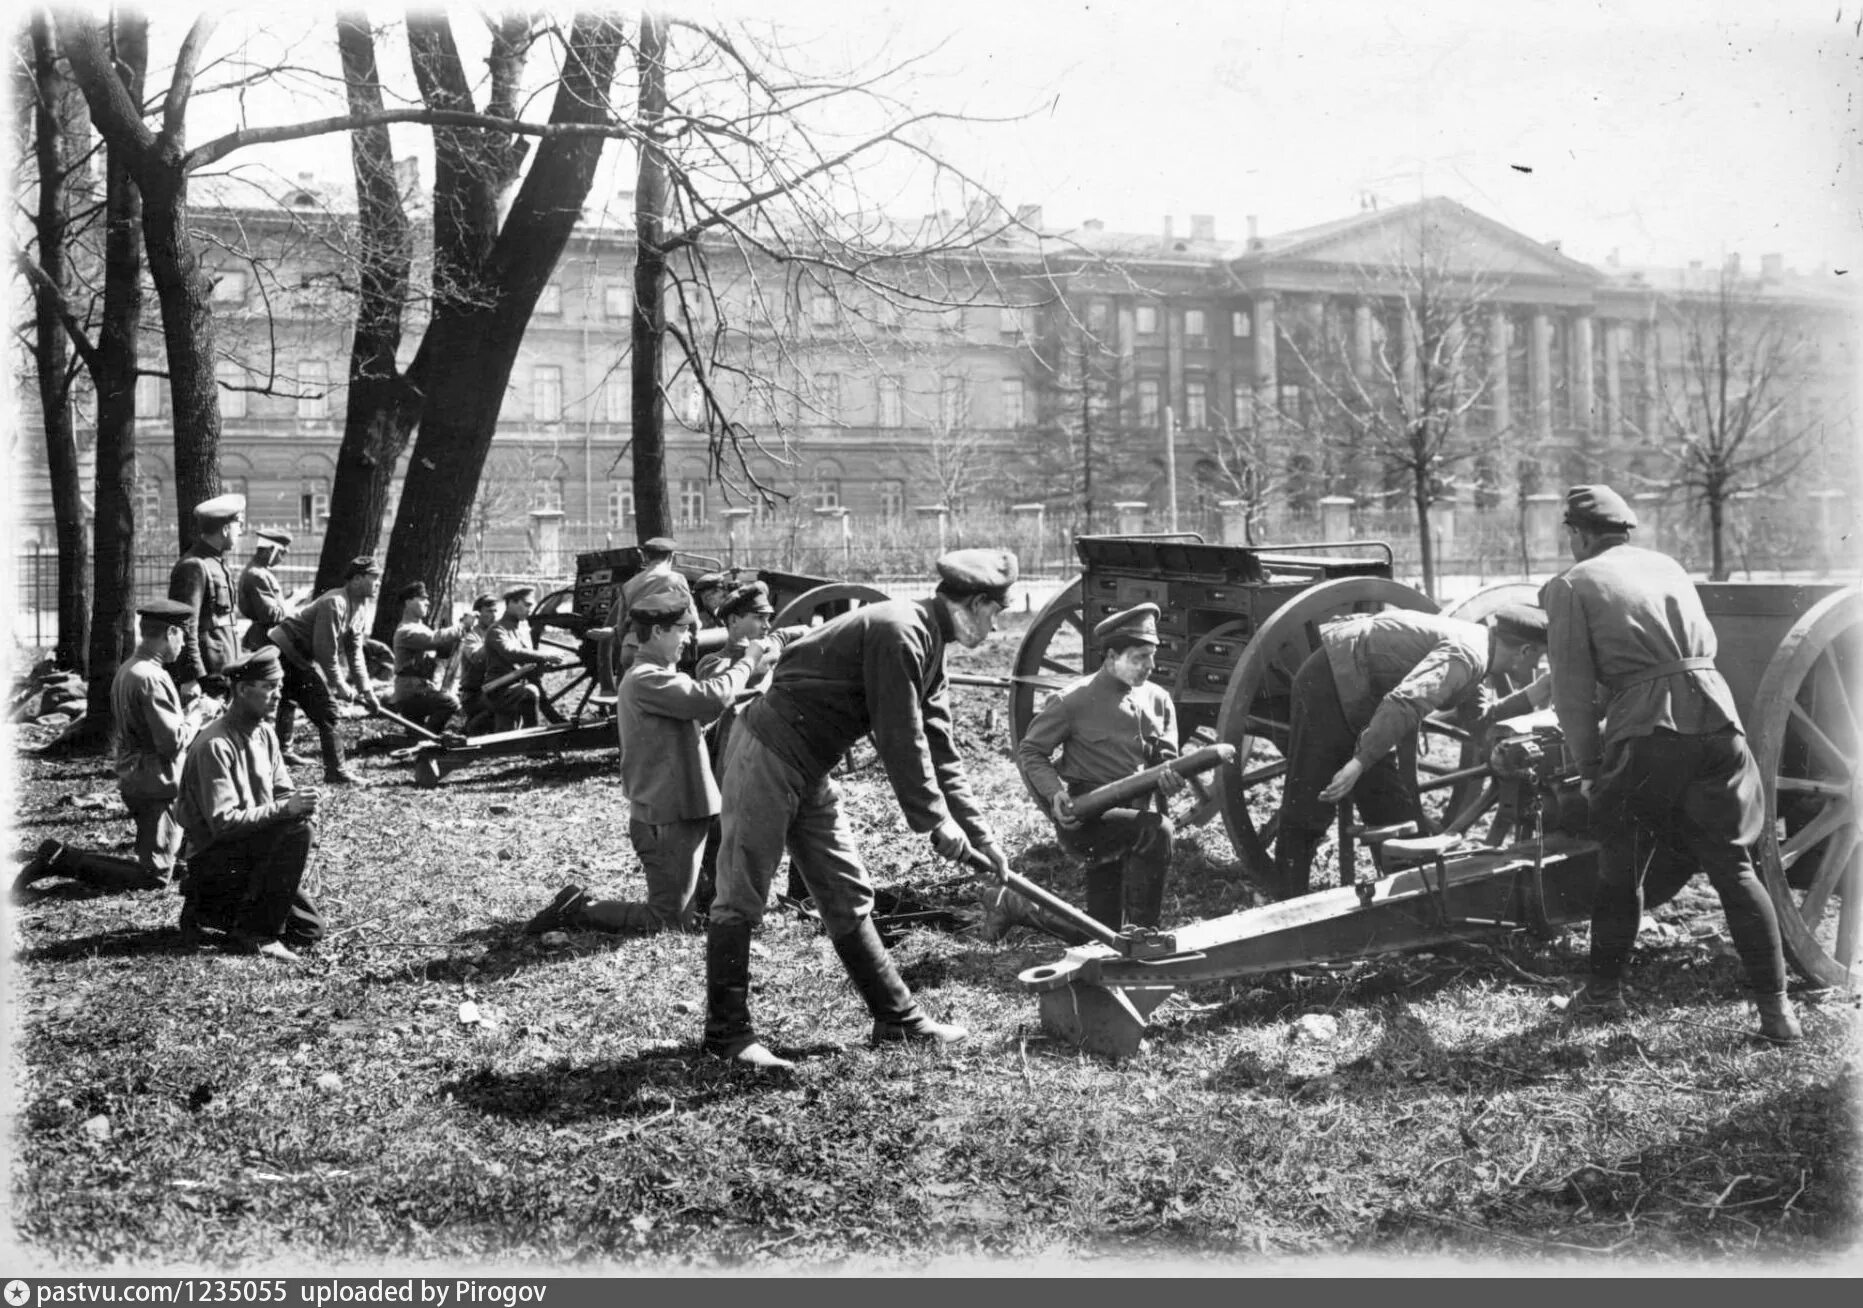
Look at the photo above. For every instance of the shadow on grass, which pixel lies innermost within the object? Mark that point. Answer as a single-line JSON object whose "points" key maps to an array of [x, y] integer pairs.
{"points": [[75, 817], [648, 1085], [110, 944]]}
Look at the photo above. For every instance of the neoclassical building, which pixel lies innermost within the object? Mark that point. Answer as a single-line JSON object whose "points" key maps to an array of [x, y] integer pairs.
{"points": [[1038, 370]]}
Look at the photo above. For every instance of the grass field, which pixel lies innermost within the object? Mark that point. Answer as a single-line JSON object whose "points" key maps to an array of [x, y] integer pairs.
{"points": [[174, 1108]]}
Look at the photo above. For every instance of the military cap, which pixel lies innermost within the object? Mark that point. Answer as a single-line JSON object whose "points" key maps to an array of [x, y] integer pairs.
{"points": [[1133, 626], [978, 572], [753, 597], [361, 567], [260, 665], [663, 607], [1598, 507], [519, 592], [660, 545], [173, 612], [412, 591], [273, 536], [485, 602], [1522, 623], [219, 509]]}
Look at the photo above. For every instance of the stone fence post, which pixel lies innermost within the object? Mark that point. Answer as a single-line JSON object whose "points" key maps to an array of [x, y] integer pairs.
{"points": [[546, 540], [1336, 517], [1131, 517], [1235, 521], [942, 513], [1543, 514], [1037, 513]]}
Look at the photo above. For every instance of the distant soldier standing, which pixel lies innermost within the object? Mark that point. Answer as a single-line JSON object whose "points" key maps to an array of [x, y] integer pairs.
{"points": [[672, 796], [248, 828], [418, 648], [262, 603], [1670, 769], [1107, 727], [657, 576], [320, 647], [201, 580], [878, 669], [508, 651]]}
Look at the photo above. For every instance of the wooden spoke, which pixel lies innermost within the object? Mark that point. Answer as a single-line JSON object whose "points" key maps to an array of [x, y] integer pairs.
{"points": [[1828, 675], [1811, 908], [1840, 762], [1848, 918], [1814, 787], [1814, 833]]}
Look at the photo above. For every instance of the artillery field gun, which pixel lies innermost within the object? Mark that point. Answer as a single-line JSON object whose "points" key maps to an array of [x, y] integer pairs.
{"points": [[1503, 844]]}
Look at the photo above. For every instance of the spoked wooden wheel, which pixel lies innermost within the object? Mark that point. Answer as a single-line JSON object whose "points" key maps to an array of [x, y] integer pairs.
{"points": [[1257, 708], [1807, 738], [813, 607], [1472, 799], [1051, 657]]}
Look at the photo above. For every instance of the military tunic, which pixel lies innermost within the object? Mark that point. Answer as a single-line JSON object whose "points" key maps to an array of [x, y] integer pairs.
{"points": [[200, 579], [1670, 768], [1105, 731], [320, 650], [245, 857], [507, 650], [261, 603], [417, 649], [149, 734]]}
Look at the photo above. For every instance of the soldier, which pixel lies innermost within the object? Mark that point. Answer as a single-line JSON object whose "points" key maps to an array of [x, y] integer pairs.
{"points": [[262, 603], [657, 574], [1107, 727], [471, 666], [149, 732], [1367, 688], [200, 580], [1670, 769], [248, 829], [878, 669], [508, 651], [418, 647], [320, 647], [672, 796]]}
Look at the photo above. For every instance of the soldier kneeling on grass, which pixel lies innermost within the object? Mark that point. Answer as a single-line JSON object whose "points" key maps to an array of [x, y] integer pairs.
{"points": [[246, 827], [672, 796]]}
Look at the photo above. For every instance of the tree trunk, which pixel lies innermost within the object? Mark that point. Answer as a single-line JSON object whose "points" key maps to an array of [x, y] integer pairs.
{"points": [[1426, 543], [1717, 550], [466, 359], [381, 407], [652, 504], [112, 631], [54, 112]]}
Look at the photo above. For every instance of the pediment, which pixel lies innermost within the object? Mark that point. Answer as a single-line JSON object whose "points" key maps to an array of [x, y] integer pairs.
{"points": [[1451, 237]]}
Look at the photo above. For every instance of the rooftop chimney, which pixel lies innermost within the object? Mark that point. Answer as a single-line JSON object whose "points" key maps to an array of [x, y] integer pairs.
{"points": [[1254, 225], [1202, 227], [1029, 215], [1094, 225], [1731, 266], [1167, 229], [1772, 268], [1611, 259]]}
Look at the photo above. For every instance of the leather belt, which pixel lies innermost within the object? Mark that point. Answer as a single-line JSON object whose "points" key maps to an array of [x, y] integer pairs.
{"points": [[1698, 663]]}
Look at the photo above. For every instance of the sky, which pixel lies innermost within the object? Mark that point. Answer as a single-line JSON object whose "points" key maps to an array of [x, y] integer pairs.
{"points": [[1662, 131]]}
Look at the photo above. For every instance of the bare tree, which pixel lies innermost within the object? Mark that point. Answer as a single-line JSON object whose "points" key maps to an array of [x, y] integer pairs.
{"points": [[1393, 387], [1250, 467], [1727, 424]]}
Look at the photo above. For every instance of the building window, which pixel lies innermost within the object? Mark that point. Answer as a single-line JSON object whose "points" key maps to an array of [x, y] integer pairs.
{"points": [[1196, 327], [1244, 400], [825, 492], [821, 309], [892, 499], [1148, 406], [313, 388], [617, 302], [1098, 317], [230, 288], [620, 503], [148, 396], [1292, 399], [1241, 325], [691, 502], [1009, 320], [1196, 406], [314, 504], [229, 374], [618, 396], [1014, 413], [892, 403], [691, 403], [828, 396], [546, 393], [550, 299], [148, 502], [1145, 320], [546, 494], [953, 403]]}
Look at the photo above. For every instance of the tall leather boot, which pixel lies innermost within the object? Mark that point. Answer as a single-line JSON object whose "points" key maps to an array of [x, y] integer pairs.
{"points": [[333, 771], [1293, 862], [1778, 1023], [896, 1015], [728, 1032], [106, 872], [1145, 870], [1106, 893], [287, 725]]}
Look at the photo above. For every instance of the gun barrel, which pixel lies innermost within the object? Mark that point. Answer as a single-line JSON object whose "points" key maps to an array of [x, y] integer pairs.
{"points": [[1112, 795]]}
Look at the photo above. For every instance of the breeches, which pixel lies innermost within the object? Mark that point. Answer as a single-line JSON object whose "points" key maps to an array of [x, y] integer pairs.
{"points": [[251, 885], [308, 691], [769, 807], [158, 838], [1321, 742]]}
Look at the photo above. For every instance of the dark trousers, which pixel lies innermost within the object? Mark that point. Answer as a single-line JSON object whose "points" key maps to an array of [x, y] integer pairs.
{"points": [[1128, 855], [426, 707], [306, 688], [250, 885], [515, 706], [1700, 797], [1321, 742]]}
